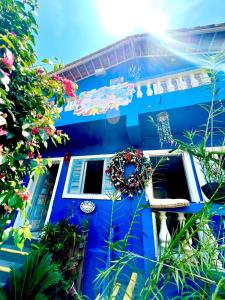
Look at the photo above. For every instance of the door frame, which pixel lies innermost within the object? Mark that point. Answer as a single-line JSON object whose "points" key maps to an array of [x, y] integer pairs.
{"points": [[31, 188]]}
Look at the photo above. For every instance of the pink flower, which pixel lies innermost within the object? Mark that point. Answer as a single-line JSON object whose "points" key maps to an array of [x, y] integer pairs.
{"points": [[8, 59], [58, 132], [4, 78], [40, 70], [49, 131], [68, 85], [24, 194], [35, 130], [13, 33], [2, 131]]}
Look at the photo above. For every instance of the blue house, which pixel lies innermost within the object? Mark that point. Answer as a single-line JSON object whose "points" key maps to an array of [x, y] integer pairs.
{"points": [[120, 88]]}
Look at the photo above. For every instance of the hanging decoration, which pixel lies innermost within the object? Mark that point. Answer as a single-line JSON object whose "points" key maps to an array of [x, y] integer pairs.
{"points": [[87, 207], [164, 130], [134, 182], [99, 101]]}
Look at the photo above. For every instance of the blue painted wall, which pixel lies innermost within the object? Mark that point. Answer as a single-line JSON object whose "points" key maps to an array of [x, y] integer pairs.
{"points": [[97, 135]]}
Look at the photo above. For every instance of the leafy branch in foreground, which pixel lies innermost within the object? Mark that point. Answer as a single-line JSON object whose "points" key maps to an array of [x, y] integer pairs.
{"points": [[29, 101]]}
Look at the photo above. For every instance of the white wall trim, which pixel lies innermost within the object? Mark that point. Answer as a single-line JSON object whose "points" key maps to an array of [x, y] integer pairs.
{"points": [[58, 160]]}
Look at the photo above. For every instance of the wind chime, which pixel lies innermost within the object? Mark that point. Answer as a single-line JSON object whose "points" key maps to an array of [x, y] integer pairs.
{"points": [[164, 130]]}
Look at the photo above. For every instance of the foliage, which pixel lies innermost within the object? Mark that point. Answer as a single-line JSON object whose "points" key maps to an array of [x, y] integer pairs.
{"points": [[26, 114], [136, 181], [191, 265], [64, 242], [33, 281], [212, 161]]}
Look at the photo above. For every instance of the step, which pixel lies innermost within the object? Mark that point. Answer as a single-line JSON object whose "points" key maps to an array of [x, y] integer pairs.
{"points": [[13, 255], [6, 267], [10, 244]]}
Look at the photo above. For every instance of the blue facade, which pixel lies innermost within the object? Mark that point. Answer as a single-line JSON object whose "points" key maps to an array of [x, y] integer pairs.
{"points": [[116, 130]]}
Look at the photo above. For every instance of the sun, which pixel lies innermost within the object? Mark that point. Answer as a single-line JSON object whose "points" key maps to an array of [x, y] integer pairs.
{"points": [[124, 17]]}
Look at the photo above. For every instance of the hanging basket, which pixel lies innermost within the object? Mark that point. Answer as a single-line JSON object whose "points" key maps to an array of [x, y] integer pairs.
{"points": [[134, 182]]}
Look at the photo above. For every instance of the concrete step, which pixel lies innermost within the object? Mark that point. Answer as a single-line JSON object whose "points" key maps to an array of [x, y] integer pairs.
{"points": [[6, 267], [9, 254], [27, 244]]}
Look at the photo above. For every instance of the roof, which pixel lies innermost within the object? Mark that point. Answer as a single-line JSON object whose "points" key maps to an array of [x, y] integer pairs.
{"points": [[196, 40]]}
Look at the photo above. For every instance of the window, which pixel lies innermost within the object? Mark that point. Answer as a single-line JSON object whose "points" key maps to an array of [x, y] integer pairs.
{"points": [[169, 180], [86, 178], [174, 178], [93, 177]]}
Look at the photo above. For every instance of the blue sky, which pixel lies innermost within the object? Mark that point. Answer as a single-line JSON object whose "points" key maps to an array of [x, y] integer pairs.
{"points": [[71, 29]]}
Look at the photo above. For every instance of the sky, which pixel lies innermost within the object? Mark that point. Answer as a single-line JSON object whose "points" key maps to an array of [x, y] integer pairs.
{"points": [[71, 29]]}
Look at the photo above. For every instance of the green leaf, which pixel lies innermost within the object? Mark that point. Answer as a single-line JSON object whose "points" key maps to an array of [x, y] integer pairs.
{"points": [[7, 233], [12, 200]]}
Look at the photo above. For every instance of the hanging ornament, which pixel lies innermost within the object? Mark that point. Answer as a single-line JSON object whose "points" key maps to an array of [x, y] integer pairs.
{"points": [[163, 126]]}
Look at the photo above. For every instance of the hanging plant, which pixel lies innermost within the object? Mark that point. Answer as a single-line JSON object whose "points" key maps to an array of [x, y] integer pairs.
{"points": [[134, 182]]}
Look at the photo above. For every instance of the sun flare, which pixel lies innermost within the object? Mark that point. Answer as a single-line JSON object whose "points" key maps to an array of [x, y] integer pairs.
{"points": [[121, 18]]}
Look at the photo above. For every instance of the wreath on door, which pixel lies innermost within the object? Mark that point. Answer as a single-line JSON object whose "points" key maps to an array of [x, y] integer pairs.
{"points": [[135, 181]]}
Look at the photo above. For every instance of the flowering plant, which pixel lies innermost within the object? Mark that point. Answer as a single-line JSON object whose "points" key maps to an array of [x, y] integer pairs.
{"points": [[134, 182], [29, 101]]}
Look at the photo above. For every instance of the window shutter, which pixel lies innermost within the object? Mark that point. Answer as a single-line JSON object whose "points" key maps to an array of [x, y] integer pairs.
{"points": [[76, 177], [107, 187]]}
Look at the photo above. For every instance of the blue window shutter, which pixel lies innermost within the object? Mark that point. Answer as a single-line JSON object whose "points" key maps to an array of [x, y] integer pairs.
{"points": [[107, 187], [75, 182]]}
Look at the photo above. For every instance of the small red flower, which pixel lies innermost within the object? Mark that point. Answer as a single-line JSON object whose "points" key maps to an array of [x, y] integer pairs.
{"points": [[30, 155], [35, 130], [24, 194], [128, 156]]}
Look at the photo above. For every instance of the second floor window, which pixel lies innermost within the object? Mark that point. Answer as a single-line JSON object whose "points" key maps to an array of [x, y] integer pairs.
{"points": [[87, 176]]}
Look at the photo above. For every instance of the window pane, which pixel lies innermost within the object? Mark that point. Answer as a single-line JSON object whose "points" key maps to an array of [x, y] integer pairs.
{"points": [[93, 178], [169, 179]]}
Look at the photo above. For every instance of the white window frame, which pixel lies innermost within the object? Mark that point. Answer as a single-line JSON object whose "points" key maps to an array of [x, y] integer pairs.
{"points": [[189, 174], [31, 188], [83, 172], [200, 174], [192, 186]]}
